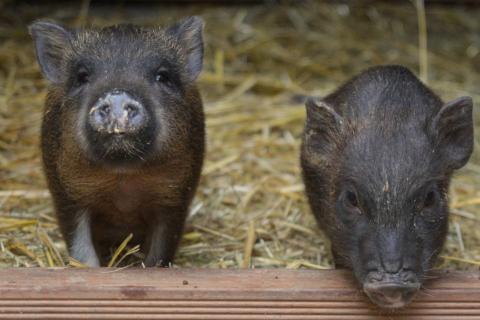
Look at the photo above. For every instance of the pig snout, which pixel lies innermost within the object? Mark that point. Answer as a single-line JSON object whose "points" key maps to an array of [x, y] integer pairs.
{"points": [[391, 290], [391, 265], [117, 113]]}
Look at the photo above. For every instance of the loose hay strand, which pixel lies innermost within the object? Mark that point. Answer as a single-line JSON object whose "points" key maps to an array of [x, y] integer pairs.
{"points": [[119, 250], [422, 40], [467, 261], [249, 243]]}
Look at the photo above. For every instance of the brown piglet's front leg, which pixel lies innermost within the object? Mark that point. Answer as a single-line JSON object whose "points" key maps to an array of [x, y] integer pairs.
{"points": [[81, 245], [163, 236]]}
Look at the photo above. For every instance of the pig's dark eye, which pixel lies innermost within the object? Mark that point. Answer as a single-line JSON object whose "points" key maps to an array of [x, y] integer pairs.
{"points": [[351, 199], [427, 203], [162, 76], [82, 77], [349, 206], [430, 200], [429, 207]]}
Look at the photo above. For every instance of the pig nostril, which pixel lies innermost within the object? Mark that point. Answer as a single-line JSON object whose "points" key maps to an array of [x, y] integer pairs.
{"points": [[104, 110], [375, 276], [409, 277], [132, 110]]}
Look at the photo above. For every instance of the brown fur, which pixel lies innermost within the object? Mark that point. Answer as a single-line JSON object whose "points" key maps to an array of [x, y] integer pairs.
{"points": [[128, 200], [149, 198]]}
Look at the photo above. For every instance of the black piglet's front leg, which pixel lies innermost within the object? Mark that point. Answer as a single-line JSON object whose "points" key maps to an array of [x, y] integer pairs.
{"points": [[163, 236]]}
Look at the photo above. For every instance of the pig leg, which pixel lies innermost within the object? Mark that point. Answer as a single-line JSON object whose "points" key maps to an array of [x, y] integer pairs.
{"points": [[81, 245], [338, 260], [163, 237]]}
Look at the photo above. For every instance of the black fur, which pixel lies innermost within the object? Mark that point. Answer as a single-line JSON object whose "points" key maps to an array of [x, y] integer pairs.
{"points": [[376, 172]]}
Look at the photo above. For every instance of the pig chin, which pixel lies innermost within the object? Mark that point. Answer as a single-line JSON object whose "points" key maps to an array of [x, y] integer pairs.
{"points": [[391, 291], [120, 152]]}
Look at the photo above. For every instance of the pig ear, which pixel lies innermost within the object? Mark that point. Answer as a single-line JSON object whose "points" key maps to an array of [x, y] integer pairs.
{"points": [[50, 41], [453, 129], [322, 118], [189, 33], [323, 127]]}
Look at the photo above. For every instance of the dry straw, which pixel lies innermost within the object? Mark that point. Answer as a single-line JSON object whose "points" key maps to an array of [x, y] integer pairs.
{"points": [[250, 210]]}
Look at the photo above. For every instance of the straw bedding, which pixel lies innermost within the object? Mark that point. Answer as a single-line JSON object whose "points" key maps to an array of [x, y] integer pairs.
{"points": [[250, 210]]}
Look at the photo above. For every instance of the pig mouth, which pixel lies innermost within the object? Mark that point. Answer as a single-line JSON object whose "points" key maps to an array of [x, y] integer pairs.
{"points": [[121, 150], [391, 295]]}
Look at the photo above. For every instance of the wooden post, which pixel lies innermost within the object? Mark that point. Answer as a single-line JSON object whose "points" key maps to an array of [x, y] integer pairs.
{"points": [[219, 294]]}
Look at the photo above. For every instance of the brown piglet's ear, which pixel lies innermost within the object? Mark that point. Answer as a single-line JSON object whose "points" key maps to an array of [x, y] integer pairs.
{"points": [[50, 41], [452, 130], [189, 33]]}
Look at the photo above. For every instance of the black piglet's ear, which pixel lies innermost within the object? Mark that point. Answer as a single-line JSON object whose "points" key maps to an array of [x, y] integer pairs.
{"points": [[321, 117], [51, 41], [452, 129], [189, 33], [323, 125]]}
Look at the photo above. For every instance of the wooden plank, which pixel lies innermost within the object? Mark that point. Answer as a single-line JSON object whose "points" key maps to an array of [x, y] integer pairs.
{"points": [[219, 294]]}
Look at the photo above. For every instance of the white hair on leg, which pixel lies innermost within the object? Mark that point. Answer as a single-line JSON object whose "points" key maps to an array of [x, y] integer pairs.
{"points": [[82, 247]]}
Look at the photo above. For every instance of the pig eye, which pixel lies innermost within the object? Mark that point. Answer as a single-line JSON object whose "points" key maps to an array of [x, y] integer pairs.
{"points": [[430, 200], [351, 199], [349, 205], [162, 76], [82, 77]]}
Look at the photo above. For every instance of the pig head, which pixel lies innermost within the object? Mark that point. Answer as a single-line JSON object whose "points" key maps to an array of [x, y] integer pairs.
{"points": [[377, 158]]}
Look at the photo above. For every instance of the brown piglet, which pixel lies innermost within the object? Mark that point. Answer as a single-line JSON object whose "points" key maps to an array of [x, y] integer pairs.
{"points": [[122, 134]]}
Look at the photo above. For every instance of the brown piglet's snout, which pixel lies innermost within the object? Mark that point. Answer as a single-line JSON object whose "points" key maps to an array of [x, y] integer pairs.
{"points": [[117, 112]]}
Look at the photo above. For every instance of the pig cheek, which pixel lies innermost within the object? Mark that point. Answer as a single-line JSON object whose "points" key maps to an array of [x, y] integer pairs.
{"points": [[347, 218], [170, 116], [355, 242], [430, 238], [364, 252], [74, 134], [75, 108], [79, 122], [162, 127], [81, 135]]}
